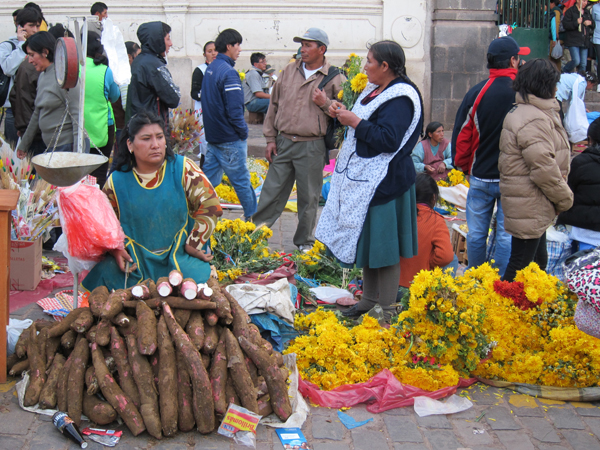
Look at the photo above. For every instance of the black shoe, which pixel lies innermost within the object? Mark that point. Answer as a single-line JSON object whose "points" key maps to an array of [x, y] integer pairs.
{"points": [[353, 312]]}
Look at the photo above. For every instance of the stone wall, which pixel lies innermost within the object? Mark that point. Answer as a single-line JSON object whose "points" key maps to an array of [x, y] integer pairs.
{"points": [[461, 33]]}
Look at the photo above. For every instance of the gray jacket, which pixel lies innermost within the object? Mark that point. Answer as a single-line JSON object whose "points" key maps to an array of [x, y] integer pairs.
{"points": [[10, 60], [50, 104]]}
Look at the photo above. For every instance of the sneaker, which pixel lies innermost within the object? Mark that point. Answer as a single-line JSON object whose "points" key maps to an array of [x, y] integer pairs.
{"points": [[305, 248]]}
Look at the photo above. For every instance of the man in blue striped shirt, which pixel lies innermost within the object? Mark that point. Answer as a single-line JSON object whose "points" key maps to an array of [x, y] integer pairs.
{"points": [[225, 128]]}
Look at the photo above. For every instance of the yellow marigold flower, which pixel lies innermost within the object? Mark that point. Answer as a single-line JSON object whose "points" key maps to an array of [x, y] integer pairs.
{"points": [[242, 75], [340, 94], [359, 82], [353, 55]]}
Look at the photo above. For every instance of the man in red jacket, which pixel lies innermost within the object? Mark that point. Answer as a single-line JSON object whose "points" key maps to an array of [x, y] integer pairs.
{"points": [[475, 149]]}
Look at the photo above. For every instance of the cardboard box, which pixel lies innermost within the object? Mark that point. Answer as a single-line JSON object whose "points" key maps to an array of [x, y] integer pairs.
{"points": [[25, 265]]}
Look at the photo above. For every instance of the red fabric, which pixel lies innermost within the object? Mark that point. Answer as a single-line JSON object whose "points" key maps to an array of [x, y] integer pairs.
{"points": [[435, 248], [434, 161], [467, 141], [380, 393], [287, 270]]}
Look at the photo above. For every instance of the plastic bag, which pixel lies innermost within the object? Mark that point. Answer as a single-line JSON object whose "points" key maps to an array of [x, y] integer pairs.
{"points": [[13, 331], [240, 424], [76, 265], [90, 223], [557, 51], [329, 294], [457, 195], [274, 298], [114, 45], [382, 392], [425, 406], [576, 122]]}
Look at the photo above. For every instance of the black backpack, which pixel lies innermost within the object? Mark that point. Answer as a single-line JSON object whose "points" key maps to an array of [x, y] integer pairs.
{"points": [[5, 81], [333, 124]]}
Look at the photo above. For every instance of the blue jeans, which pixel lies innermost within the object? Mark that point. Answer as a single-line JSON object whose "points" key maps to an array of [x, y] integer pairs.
{"points": [[482, 197], [579, 56], [230, 157], [258, 105], [10, 132]]}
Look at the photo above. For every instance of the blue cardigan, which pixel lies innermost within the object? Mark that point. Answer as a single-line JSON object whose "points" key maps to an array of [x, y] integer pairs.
{"points": [[383, 133], [223, 102]]}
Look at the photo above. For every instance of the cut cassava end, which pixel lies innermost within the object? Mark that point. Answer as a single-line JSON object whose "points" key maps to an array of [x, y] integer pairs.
{"points": [[189, 289], [175, 278], [163, 287], [140, 291], [115, 396]]}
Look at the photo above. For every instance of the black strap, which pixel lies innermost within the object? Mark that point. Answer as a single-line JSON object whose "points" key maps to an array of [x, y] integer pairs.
{"points": [[331, 74]]}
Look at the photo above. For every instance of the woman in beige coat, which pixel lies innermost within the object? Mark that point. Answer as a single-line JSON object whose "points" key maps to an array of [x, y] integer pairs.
{"points": [[534, 164]]}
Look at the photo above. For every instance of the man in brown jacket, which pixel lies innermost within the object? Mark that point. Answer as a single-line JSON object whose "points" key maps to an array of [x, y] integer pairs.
{"points": [[294, 127]]}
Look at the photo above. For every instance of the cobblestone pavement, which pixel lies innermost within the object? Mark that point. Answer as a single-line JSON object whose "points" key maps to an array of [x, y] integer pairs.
{"points": [[511, 421]]}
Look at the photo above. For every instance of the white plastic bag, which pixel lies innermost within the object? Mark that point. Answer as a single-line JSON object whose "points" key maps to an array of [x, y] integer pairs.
{"points": [[576, 122], [425, 406], [13, 331], [329, 294], [76, 265], [275, 298], [457, 195], [552, 234], [114, 45]]}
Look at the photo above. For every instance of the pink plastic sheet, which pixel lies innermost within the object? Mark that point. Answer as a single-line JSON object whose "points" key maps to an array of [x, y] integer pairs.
{"points": [[380, 393]]}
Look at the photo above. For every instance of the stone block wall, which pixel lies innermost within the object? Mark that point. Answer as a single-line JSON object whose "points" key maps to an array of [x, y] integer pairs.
{"points": [[461, 33]]}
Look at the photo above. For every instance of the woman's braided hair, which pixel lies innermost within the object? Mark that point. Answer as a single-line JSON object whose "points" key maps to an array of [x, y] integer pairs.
{"points": [[392, 53]]}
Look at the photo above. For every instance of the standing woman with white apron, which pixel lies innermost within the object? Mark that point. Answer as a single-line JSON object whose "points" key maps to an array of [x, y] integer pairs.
{"points": [[209, 55]]}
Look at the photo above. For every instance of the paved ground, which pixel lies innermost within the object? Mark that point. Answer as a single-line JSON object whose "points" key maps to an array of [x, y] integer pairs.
{"points": [[511, 421]]}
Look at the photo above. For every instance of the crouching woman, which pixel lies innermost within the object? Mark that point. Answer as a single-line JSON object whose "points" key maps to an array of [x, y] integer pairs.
{"points": [[167, 208]]}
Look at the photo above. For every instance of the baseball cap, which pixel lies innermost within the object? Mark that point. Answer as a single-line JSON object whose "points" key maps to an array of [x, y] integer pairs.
{"points": [[506, 47], [313, 34]]}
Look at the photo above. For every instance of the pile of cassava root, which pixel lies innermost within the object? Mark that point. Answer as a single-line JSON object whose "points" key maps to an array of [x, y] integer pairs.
{"points": [[162, 358]]}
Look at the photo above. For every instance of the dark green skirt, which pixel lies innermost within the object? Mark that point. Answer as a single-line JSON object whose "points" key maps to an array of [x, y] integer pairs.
{"points": [[389, 232]]}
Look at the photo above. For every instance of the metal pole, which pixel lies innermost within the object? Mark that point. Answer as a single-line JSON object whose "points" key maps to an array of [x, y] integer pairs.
{"points": [[82, 59], [75, 290]]}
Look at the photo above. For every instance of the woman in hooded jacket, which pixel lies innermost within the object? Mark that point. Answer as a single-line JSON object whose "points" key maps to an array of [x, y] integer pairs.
{"points": [[534, 164]]}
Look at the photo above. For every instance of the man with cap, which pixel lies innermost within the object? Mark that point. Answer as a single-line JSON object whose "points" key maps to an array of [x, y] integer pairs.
{"points": [[295, 127], [475, 149]]}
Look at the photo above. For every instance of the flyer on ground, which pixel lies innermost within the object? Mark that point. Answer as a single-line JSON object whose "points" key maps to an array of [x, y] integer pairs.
{"points": [[292, 438]]}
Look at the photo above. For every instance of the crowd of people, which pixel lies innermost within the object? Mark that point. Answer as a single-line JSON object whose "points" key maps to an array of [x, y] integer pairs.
{"points": [[508, 138]]}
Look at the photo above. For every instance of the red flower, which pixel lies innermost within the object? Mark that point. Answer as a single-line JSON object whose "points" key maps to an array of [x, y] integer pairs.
{"points": [[516, 292]]}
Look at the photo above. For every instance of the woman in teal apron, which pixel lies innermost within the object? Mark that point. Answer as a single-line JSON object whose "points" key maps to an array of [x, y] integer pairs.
{"points": [[167, 208]]}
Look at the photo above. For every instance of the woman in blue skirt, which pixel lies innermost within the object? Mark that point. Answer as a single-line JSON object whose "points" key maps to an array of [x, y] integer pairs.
{"points": [[369, 220]]}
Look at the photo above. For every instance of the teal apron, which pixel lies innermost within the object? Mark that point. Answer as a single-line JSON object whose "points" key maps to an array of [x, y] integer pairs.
{"points": [[156, 222]]}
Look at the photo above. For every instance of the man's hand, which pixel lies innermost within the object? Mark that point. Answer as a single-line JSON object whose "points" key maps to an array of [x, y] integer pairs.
{"points": [[197, 253], [271, 151], [122, 257], [21, 33], [319, 97], [21, 154], [442, 168]]}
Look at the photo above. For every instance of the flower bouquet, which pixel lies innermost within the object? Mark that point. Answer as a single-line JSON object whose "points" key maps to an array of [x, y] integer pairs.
{"points": [[186, 131]]}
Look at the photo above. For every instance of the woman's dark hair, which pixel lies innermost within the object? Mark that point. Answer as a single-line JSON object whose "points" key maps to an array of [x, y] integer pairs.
{"points": [[206, 45], [427, 190], [537, 77], [28, 15], [95, 49], [58, 31], [594, 133], [227, 37], [132, 48], [431, 127], [166, 29], [391, 52], [126, 160], [40, 41]]}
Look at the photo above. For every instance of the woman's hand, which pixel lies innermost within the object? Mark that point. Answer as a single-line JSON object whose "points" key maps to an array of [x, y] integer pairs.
{"points": [[442, 168], [196, 253], [122, 258], [21, 154], [580, 20], [347, 118], [429, 168], [587, 23], [335, 107]]}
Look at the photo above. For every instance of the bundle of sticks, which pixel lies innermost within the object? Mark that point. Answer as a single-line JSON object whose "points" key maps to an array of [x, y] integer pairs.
{"points": [[166, 356]]}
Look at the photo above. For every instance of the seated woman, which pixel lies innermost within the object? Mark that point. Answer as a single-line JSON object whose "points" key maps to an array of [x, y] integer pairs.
{"points": [[584, 181], [433, 155], [167, 208], [435, 248]]}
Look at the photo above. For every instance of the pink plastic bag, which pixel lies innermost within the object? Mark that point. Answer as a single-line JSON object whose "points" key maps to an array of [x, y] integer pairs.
{"points": [[380, 393], [89, 221]]}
